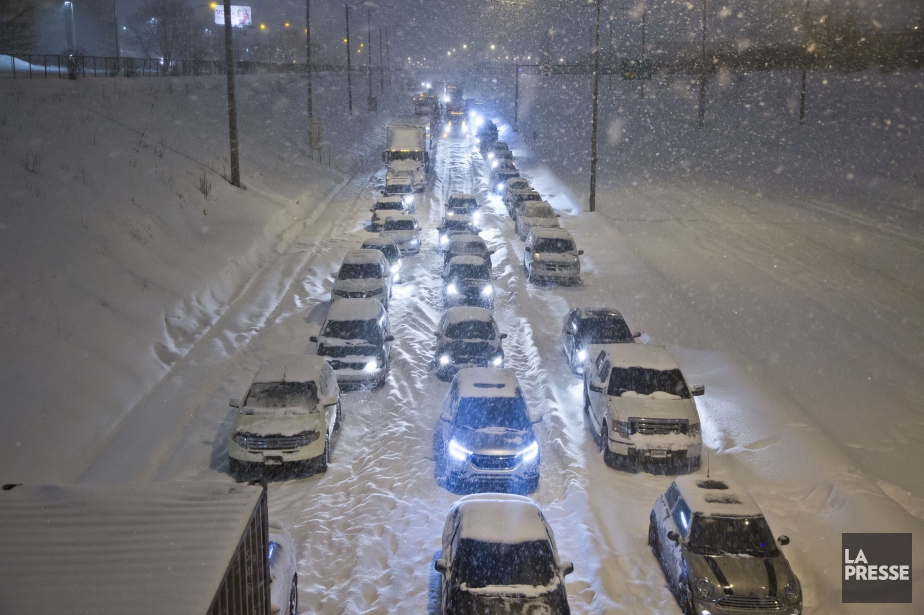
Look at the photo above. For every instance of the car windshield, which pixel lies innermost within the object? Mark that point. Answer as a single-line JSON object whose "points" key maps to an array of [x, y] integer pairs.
{"points": [[733, 535], [468, 247], [399, 225], [388, 205], [554, 244], [399, 188], [483, 564], [645, 381], [360, 271], [539, 212], [471, 330], [520, 185], [282, 394], [389, 250], [472, 272], [406, 155], [605, 331], [457, 225], [485, 412], [529, 196], [463, 203], [366, 330]]}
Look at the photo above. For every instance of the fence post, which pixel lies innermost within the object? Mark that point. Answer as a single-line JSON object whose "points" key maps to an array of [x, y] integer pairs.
{"points": [[45, 63], [94, 67], [59, 66], [13, 63], [30, 65]]}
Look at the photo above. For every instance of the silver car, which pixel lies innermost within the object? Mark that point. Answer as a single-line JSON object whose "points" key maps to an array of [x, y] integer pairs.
{"points": [[550, 255]]}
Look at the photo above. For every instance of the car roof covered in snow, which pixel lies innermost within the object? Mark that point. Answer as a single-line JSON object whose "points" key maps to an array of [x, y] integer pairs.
{"points": [[363, 256], [466, 238], [461, 195], [551, 233], [535, 206], [467, 259], [465, 313], [599, 312], [641, 355], [291, 368], [157, 548], [487, 382], [378, 240], [512, 180], [716, 497], [355, 309], [501, 518], [530, 192]]}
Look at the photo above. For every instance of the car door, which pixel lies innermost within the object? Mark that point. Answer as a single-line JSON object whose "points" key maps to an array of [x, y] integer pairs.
{"points": [[662, 516], [567, 335], [678, 521], [449, 404], [596, 389], [386, 277]]}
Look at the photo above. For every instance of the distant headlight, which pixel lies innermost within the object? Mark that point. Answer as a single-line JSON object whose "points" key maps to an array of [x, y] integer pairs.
{"points": [[476, 218], [377, 291], [529, 453], [703, 588], [444, 239], [500, 186], [396, 267], [457, 451], [494, 164], [452, 290], [792, 592], [408, 198], [413, 242], [371, 366], [444, 359], [490, 155], [582, 355], [487, 291], [498, 361]]}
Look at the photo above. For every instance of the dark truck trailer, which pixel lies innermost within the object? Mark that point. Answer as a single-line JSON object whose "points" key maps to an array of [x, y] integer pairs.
{"points": [[149, 549]]}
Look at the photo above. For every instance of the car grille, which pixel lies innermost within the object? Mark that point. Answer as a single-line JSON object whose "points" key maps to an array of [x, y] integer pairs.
{"points": [[494, 462], [346, 365], [750, 602], [352, 295], [656, 427], [275, 443], [558, 266]]}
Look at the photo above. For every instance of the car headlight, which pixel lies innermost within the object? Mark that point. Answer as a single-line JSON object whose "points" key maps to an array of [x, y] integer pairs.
{"points": [[695, 429], [529, 453], [536, 256], [413, 242], [444, 359], [408, 198], [621, 428], [500, 187], [371, 366], [498, 361], [476, 218], [703, 588], [444, 239], [490, 155], [487, 291], [396, 267], [452, 289], [582, 355], [477, 140], [494, 164], [338, 293], [792, 592], [457, 451]]}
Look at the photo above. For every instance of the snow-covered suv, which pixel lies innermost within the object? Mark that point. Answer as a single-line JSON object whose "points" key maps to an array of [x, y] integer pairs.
{"points": [[499, 556], [467, 281], [586, 330], [384, 207], [514, 184], [405, 231], [354, 340], [467, 337], [550, 254], [364, 274], [466, 244], [642, 409], [286, 419], [387, 246], [486, 438], [402, 187], [718, 553], [517, 197], [537, 214]]}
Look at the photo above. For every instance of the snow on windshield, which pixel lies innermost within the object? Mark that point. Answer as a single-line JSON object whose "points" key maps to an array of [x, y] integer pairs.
{"points": [[359, 271], [554, 245], [641, 381], [282, 394], [399, 225], [471, 330], [486, 412]]}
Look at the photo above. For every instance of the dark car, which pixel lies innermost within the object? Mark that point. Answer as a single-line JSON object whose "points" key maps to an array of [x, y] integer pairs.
{"points": [[467, 281], [585, 329], [467, 337]]}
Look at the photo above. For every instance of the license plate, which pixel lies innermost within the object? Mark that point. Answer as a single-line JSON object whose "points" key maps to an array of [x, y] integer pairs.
{"points": [[272, 461], [660, 452]]}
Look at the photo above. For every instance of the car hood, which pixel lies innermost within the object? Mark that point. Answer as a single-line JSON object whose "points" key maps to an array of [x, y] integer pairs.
{"points": [[470, 348], [358, 285], [401, 236], [653, 408], [469, 283], [565, 258], [749, 576], [334, 348], [277, 421], [493, 440], [539, 222]]}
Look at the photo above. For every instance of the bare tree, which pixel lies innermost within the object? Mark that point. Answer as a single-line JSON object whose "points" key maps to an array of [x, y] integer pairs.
{"points": [[16, 21], [166, 29]]}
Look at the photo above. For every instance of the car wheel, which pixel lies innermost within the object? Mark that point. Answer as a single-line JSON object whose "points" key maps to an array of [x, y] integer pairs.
{"points": [[293, 596], [586, 401], [609, 458], [324, 459], [339, 417], [529, 274], [653, 535]]}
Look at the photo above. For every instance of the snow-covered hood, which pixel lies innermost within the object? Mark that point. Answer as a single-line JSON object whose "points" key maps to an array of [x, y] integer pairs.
{"points": [[359, 284], [539, 222], [466, 284], [405, 168], [401, 236], [558, 258], [750, 576], [334, 347], [277, 421], [649, 407], [493, 440]]}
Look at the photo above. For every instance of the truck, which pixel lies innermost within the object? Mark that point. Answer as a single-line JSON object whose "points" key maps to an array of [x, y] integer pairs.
{"points": [[427, 104], [409, 143], [455, 104]]}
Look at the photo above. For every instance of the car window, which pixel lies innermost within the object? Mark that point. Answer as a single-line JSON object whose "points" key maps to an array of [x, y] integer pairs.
{"points": [[483, 564], [399, 225], [605, 331], [682, 518], [553, 244], [534, 211], [672, 495], [731, 535], [471, 330], [367, 330], [604, 371]]}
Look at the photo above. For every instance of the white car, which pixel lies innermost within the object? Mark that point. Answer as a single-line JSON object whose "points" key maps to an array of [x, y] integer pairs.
{"points": [[283, 575], [402, 187], [355, 341], [364, 274], [514, 184], [286, 419], [410, 169], [467, 337], [465, 244], [467, 204], [499, 556], [514, 204], [537, 214], [642, 409], [454, 224], [384, 207], [551, 255], [405, 231]]}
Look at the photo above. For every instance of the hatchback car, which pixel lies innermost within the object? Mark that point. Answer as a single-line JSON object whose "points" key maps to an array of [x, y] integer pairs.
{"points": [[586, 330], [486, 438], [401, 187], [642, 409], [364, 274], [463, 244], [355, 341], [551, 255], [537, 214], [499, 556], [281, 557], [384, 207], [467, 337], [387, 246], [718, 553], [454, 224], [467, 281], [514, 203], [286, 419], [405, 232]]}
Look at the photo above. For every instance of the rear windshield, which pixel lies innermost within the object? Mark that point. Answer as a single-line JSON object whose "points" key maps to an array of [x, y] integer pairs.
{"points": [[529, 196], [554, 245], [468, 247], [466, 203], [457, 225], [475, 272], [389, 250], [471, 330], [399, 225], [368, 330], [399, 188], [282, 394], [360, 271], [645, 381], [605, 331], [398, 205], [482, 564]]}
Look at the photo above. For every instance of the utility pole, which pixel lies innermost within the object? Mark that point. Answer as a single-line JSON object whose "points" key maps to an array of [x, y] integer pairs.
{"points": [[387, 55], [516, 100], [369, 51], [806, 35], [593, 124], [702, 77], [381, 63], [232, 104], [610, 26], [115, 28], [349, 75], [311, 144], [642, 92]]}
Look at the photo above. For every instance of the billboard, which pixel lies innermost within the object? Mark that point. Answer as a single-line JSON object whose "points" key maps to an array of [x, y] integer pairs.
{"points": [[240, 16]]}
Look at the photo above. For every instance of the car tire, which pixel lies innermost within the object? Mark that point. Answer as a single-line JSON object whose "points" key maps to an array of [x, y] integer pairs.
{"points": [[532, 486], [529, 274], [586, 401], [609, 458], [324, 459], [293, 596], [653, 536]]}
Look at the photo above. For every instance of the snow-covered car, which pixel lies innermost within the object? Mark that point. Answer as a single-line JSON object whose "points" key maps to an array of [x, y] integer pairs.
{"points": [[515, 203], [461, 203], [502, 177], [535, 214], [514, 184], [455, 127], [551, 255], [466, 244], [718, 553], [401, 187], [355, 341], [384, 207], [404, 231], [486, 438], [496, 149], [286, 419], [467, 337], [410, 169], [388, 247], [586, 331], [364, 274], [499, 556], [467, 281], [487, 135], [504, 167], [641, 408], [281, 557], [454, 224]]}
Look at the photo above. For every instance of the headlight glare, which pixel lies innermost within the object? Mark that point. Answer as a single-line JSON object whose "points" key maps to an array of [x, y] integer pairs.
{"points": [[487, 291], [582, 355], [444, 359], [371, 366], [529, 453], [452, 290], [498, 361], [457, 451]]}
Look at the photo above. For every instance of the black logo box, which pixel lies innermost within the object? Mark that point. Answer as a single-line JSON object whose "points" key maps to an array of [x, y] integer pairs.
{"points": [[878, 550]]}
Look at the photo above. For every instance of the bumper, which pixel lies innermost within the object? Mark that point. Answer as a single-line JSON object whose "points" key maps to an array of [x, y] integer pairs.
{"points": [[448, 371], [249, 462], [555, 275], [657, 458], [360, 379], [714, 608], [467, 473]]}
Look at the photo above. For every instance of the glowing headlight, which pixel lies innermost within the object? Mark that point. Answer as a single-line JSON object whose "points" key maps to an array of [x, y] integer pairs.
{"points": [[444, 359], [703, 588], [457, 451], [371, 366], [487, 291], [490, 155], [477, 140], [396, 277], [500, 186], [413, 242], [476, 218], [408, 198], [582, 355], [498, 361], [452, 290], [396, 267], [444, 239], [494, 164], [529, 453]]}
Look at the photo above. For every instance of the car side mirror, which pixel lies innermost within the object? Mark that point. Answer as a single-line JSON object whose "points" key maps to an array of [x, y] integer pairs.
{"points": [[236, 403], [389, 338], [673, 536], [491, 252], [580, 252], [503, 336], [313, 338], [446, 418], [537, 420], [566, 568], [372, 210], [441, 566], [698, 390], [783, 540], [637, 334]]}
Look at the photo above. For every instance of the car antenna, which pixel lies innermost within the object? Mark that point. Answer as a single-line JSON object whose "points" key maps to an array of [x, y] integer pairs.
{"points": [[707, 463]]}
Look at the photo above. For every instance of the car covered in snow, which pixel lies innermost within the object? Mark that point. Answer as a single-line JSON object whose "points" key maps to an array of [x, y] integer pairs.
{"points": [[535, 214], [501, 177], [466, 244], [718, 553], [388, 247], [499, 556], [401, 187], [364, 274], [454, 224], [467, 337], [517, 198], [486, 439], [465, 204], [586, 330], [467, 281], [281, 557], [503, 168], [405, 231], [486, 135], [286, 419], [642, 409], [514, 184], [384, 207], [493, 150], [355, 341], [409, 168], [551, 255]]}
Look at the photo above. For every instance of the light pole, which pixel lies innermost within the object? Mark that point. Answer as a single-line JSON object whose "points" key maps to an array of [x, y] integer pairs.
{"points": [[369, 104], [70, 31], [593, 123], [311, 144], [232, 104], [115, 29], [349, 76], [702, 77]]}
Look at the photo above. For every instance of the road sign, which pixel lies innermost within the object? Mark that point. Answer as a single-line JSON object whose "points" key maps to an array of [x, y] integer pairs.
{"points": [[546, 68]]}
